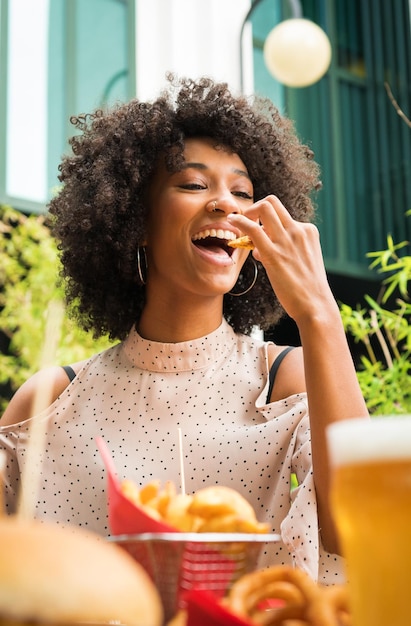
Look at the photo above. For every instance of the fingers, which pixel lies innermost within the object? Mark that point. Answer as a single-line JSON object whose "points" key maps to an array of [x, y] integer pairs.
{"points": [[267, 217], [269, 209], [268, 222], [291, 254]]}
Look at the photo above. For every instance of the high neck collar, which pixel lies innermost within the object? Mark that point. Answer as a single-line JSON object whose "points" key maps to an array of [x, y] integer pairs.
{"points": [[156, 356]]}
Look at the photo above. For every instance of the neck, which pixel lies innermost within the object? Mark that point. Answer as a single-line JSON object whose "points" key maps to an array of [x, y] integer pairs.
{"points": [[174, 322]]}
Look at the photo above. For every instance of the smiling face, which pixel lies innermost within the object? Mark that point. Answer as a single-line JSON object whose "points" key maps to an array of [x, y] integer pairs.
{"points": [[187, 247]]}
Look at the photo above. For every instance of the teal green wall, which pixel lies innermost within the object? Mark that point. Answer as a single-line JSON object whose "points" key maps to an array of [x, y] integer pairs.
{"points": [[361, 143]]}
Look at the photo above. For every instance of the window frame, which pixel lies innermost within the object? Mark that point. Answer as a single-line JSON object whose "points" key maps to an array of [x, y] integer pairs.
{"points": [[61, 116]]}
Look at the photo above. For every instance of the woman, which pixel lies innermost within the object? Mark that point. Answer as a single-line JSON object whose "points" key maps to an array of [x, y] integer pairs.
{"points": [[151, 197]]}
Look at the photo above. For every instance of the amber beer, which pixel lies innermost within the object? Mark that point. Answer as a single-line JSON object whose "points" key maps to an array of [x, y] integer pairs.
{"points": [[371, 500]]}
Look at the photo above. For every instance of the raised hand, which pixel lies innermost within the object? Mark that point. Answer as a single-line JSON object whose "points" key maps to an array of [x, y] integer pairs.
{"points": [[291, 254]]}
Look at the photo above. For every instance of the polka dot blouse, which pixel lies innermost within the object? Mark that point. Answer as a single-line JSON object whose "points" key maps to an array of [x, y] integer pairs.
{"points": [[137, 395]]}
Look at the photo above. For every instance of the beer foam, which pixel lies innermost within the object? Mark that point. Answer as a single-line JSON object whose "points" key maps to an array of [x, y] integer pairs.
{"points": [[362, 439]]}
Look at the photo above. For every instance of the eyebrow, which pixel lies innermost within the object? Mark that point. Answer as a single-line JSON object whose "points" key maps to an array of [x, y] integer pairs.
{"points": [[202, 166]]}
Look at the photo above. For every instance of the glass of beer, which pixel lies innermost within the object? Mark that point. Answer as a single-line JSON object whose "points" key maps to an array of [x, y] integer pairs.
{"points": [[371, 501]]}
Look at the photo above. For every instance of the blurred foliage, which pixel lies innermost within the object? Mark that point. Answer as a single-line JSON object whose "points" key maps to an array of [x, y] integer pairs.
{"points": [[384, 330], [29, 276]]}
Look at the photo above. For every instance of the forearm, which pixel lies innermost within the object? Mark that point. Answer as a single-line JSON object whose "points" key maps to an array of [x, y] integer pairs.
{"points": [[333, 394], [291, 254]]}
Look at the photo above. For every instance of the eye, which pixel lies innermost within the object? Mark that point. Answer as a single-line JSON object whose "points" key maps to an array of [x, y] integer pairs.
{"points": [[243, 194], [193, 186]]}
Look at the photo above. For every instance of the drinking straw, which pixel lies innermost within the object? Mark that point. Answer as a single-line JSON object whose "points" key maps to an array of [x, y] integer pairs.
{"points": [[180, 448]]}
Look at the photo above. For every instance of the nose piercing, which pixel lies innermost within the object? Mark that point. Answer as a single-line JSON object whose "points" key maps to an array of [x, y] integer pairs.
{"points": [[215, 205]]}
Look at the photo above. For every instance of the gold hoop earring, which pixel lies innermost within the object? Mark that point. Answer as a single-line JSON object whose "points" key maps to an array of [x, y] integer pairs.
{"points": [[140, 262], [242, 293]]}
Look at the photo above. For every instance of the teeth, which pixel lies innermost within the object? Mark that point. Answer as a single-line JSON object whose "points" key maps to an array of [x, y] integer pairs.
{"points": [[227, 235]]}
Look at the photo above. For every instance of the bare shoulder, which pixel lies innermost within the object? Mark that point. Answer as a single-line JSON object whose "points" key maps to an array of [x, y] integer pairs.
{"points": [[290, 377], [37, 393]]}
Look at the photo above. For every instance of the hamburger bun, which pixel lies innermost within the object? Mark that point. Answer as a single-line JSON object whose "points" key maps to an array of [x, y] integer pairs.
{"points": [[61, 574]]}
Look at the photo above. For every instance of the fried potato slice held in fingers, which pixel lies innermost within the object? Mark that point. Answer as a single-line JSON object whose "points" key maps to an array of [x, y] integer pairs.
{"points": [[242, 242]]}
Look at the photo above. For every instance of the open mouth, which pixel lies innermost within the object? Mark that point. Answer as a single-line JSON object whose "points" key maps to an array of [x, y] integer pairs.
{"points": [[215, 240]]}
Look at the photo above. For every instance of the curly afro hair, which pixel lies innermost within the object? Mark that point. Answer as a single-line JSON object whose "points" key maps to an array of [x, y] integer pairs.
{"points": [[99, 216]]}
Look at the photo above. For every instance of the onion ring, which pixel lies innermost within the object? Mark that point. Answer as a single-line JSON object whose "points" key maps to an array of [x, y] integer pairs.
{"points": [[304, 599]]}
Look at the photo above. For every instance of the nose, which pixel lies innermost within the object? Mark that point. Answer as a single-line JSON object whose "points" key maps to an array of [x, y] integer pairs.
{"points": [[223, 204]]}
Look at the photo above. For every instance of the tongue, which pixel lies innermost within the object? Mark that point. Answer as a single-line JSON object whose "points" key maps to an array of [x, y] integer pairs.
{"points": [[216, 250]]}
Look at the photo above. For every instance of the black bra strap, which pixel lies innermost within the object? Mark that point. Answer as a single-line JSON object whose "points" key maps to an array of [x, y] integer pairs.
{"points": [[274, 369], [69, 371]]}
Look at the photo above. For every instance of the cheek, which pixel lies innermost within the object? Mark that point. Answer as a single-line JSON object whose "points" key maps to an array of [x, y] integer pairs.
{"points": [[158, 226], [169, 221], [166, 211], [162, 237]]}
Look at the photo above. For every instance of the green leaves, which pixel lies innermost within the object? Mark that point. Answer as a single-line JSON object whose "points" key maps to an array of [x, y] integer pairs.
{"points": [[384, 373], [399, 268], [387, 390], [29, 272]]}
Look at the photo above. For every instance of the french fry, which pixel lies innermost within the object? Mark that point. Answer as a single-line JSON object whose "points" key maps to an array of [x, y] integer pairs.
{"points": [[164, 497], [219, 500], [231, 524], [242, 242], [212, 509], [151, 511], [149, 491], [177, 513], [131, 491]]}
